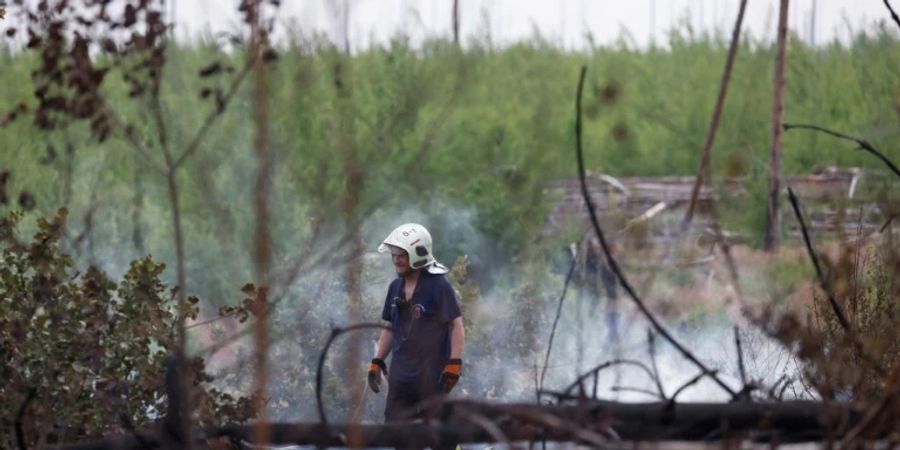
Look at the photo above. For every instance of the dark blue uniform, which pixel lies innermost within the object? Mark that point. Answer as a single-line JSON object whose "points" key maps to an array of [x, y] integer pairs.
{"points": [[420, 345]]}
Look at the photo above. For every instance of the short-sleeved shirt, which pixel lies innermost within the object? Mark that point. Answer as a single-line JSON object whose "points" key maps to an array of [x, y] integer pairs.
{"points": [[421, 330]]}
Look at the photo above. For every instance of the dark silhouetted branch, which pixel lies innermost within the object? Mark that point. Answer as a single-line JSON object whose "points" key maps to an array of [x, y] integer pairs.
{"points": [[334, 334], [610, 260], [863, 144], [838, 312], [740, 355], [835, 306], [562, 297], [596, 370], [195, 142], [638, 390], [686, 385], [702, 171], [893, 13], [651, 349], [887, 222]]}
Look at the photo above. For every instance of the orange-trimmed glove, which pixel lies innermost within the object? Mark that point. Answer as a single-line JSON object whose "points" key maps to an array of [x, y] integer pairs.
{"points": [[376, 369], [450, 375]]}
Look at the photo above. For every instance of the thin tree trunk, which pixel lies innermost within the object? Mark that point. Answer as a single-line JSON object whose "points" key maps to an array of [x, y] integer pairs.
{"points": [[353, 188], [773, 226], [137, 235], [703, 171], [262, 248], [456, 22]]}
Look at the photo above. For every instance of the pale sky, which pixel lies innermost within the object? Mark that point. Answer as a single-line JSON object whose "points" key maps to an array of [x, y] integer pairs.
{"points": [[564, 22]]}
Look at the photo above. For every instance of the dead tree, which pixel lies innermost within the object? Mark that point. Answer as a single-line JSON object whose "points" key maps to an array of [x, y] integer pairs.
{"points": [[773, 223], [706, 156]]}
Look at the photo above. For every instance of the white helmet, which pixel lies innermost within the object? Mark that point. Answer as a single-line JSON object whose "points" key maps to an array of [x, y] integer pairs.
{"points": [[416, 241]]}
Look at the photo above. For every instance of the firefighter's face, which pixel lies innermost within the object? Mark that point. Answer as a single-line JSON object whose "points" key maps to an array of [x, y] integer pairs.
{"points": [[401, 261]]}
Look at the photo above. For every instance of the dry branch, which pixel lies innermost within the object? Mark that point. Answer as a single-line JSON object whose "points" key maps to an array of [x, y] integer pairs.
{"points": [[611, 261], [893, 13], [562, 297], [334, 334], [863, 144], [823, 281], [838, 312]]}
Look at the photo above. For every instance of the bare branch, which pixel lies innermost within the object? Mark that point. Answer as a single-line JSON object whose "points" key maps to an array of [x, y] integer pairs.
{"points": [[194, 144], [686, 385], [835, 306], [334, 334], [838, 312], [893, 13], [740, 355], [596, 370], [611, 261], [638, 390], [651, 348], [133, 139], [562, 297], [888, 222], [863, 144]]}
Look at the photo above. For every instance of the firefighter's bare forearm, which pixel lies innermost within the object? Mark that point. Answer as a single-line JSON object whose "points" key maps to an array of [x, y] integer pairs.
{"points": [[384, 344], [457, 337]]}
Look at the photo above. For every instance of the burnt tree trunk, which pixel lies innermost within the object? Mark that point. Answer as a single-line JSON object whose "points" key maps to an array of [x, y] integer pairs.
{"points": [[773, 222], [592, 422], [706, 156]]}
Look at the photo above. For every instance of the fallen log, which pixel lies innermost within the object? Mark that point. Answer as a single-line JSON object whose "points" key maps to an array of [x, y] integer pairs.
{"points": [[592, 422]]}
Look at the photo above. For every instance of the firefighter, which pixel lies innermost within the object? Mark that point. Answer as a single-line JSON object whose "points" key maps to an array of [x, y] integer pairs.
{"points": [[426, 327]]}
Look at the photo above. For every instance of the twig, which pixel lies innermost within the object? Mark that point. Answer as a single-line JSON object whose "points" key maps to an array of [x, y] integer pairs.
{"points": [[562, 297], [835, 306], [610, 260], [216, 113], [651, 348], [863, 144], [784, 378], [20, 432], [686, 385], [596, 370], [838, 312], [638, 390], [740, 355], [893, 13], [334, 334], [888, 222]]}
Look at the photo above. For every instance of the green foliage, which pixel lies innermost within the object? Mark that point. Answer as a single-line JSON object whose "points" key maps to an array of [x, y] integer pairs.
{"points": [[90, 349], [482, 128]]}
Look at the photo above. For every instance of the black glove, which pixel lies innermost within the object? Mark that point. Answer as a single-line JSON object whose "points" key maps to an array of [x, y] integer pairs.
{"points": [[376, 369], [450, 375]]}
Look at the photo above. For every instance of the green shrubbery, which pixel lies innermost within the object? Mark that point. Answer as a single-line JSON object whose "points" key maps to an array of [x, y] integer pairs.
{"points": [[484, 128], [88, 350]]}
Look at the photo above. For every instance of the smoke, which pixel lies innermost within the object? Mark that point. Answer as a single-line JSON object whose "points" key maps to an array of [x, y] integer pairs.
{"points": [[507, 328]]}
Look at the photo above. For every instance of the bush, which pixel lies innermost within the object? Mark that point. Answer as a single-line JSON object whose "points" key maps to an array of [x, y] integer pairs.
{"points": [[89, 350]]}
